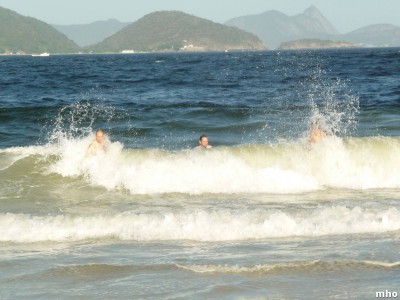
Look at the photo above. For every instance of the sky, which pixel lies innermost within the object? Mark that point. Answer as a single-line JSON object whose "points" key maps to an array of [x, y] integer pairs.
{"points": [[345, 15]]}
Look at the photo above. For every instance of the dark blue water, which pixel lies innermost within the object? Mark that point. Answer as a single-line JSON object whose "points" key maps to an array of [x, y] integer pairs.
{"points": [[168, 100]]}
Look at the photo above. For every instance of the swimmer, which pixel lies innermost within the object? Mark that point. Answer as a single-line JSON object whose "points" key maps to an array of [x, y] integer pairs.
{"points": [[316, 133], [97, 144], [203, 142]]}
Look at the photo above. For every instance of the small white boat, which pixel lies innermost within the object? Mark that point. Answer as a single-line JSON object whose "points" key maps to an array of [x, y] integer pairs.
{"points": [[42, 54]]}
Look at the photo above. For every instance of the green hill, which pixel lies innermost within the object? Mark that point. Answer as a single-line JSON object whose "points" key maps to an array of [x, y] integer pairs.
{"points": [[19, 33], [174, 31]]}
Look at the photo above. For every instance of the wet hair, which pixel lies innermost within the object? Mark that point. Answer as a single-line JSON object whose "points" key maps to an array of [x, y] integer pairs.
{"points": [[201, 137]]}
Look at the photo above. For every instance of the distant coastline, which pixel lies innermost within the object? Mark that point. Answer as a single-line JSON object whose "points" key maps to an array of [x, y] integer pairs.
{"points": [[175, 31], [315, 44]]}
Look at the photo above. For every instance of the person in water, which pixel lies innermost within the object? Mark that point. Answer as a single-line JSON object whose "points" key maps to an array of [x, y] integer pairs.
{"points": [[98, 143], [203, 142], [316, 133]]}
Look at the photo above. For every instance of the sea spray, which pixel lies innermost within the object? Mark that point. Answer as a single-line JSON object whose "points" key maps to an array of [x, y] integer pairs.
{"points": [[332, 105], [312, 95], [82, 118]]}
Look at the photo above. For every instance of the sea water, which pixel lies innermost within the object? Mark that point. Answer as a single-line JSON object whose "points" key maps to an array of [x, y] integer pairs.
{"points": [[261, 215]]}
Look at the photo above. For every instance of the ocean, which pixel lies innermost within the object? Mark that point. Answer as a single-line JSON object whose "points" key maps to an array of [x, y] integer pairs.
{"points": [[263, 214]]}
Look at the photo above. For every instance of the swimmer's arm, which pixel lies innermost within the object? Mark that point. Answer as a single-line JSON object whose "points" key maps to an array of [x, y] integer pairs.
{"points": [[91, 149]]}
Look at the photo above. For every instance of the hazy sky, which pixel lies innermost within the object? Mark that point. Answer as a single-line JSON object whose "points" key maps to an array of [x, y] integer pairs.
{"points": [[345, 15]]}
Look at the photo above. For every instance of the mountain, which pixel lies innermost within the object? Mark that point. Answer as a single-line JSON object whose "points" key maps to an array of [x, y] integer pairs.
{"points": [[274, 27], [19, 33], [173, 31], [89, 34], [375, 35]]}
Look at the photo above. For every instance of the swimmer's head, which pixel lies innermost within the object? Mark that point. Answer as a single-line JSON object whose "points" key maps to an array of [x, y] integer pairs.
{"points": [[316, 122], [203, 141], [99, 136]]}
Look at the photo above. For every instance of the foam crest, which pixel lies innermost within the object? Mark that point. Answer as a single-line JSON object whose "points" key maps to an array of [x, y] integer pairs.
{"points": [[9, 156], [302, 265], [198, 225], [188, 171], [353, 163], [282, 168], [236, 269]]}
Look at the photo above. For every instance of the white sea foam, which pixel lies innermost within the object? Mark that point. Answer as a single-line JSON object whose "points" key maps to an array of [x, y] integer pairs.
{"points": [[383, 264], [236, 269], [355, 163], [198, 225], [285, 168], [267, 268]]}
